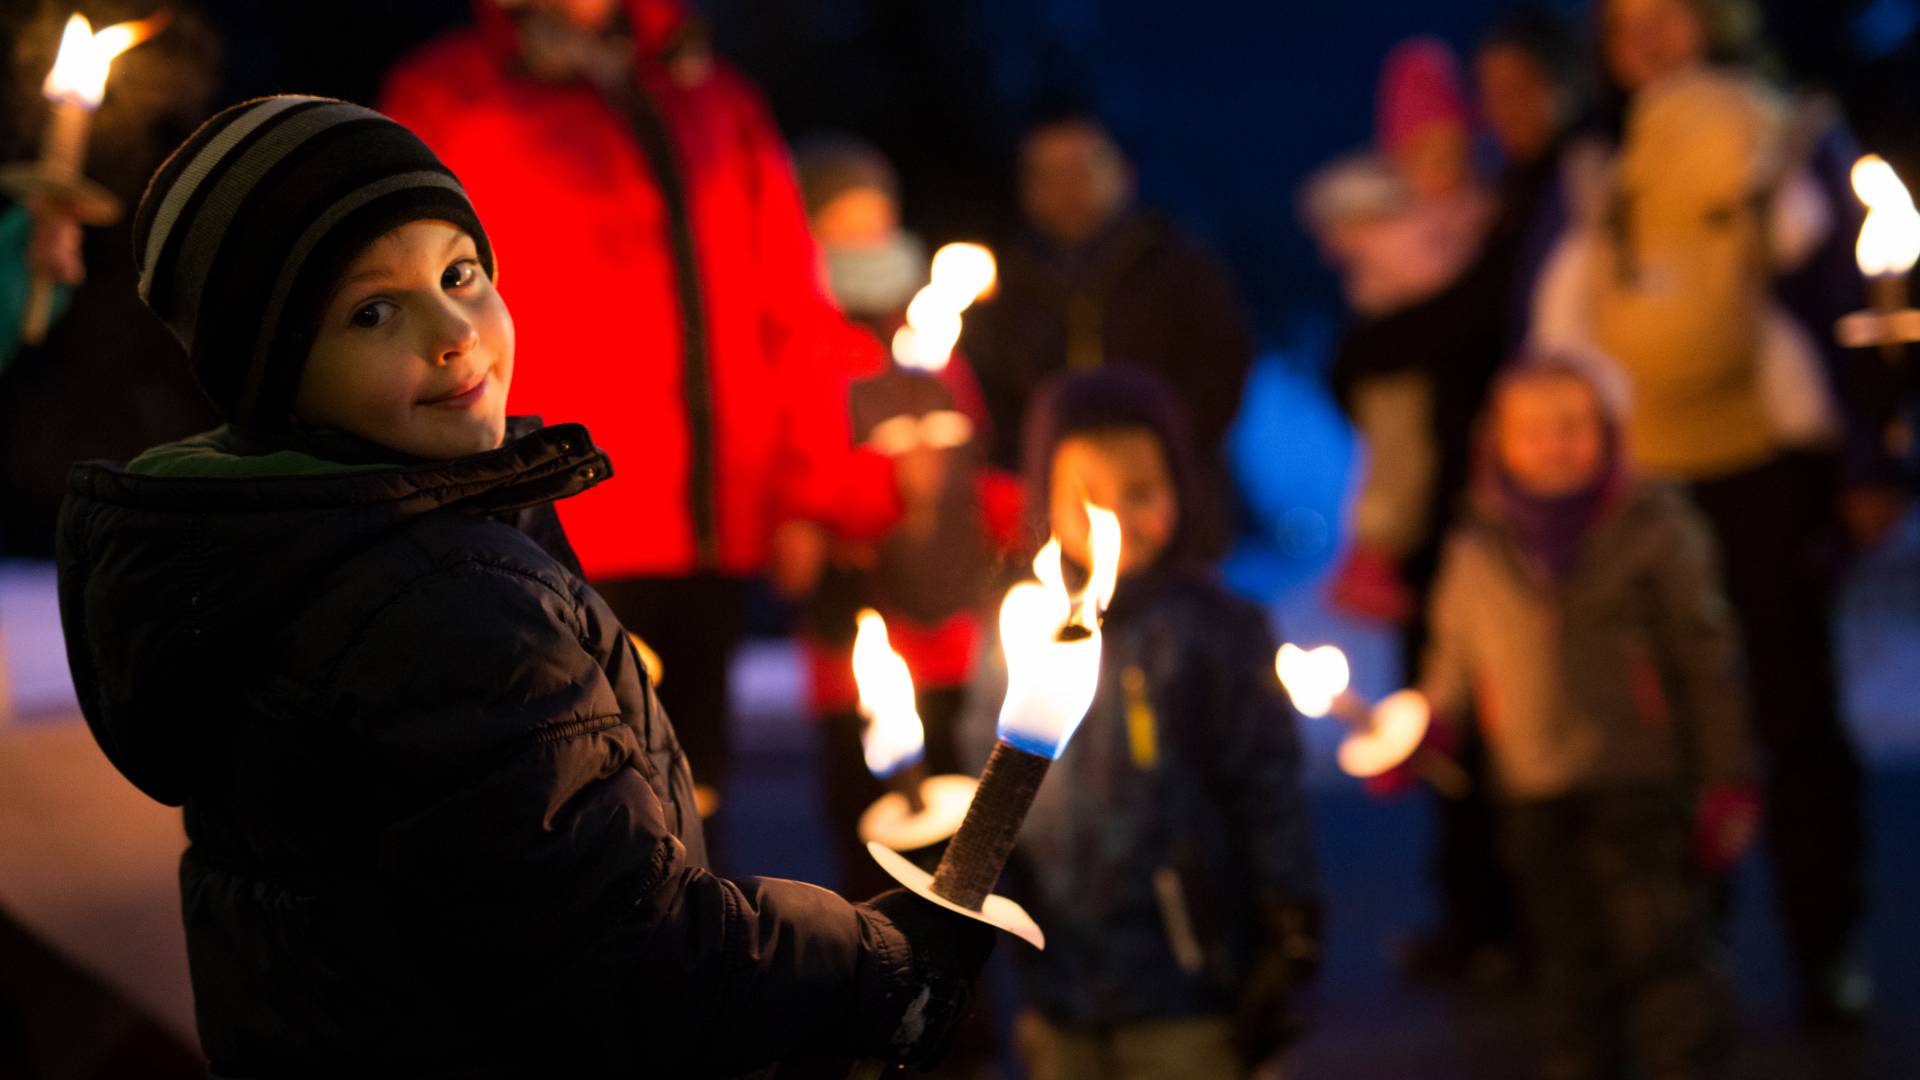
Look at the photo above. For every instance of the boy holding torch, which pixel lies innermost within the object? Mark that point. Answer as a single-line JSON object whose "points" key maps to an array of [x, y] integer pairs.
{"points": [[1169, 861], [440, 825]]}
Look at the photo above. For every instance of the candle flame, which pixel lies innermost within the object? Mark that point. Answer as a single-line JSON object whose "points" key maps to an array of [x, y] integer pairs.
{"points": [[961, 274], [1313, 677], [894, 736], [1890, 238], [79, 74], [1051, 676]]}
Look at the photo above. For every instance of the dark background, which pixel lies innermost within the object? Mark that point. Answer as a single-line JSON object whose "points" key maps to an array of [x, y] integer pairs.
{"points": [[1224, 105]]}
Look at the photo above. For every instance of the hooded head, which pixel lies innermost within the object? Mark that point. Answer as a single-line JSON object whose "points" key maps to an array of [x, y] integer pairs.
{"points": [[1553, 425], [1117, 438], [248, 226], [1552, 458], [1422, 122]]}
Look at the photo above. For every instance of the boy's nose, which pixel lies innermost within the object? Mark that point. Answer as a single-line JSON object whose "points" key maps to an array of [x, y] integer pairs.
{"points": [[458, 338]]}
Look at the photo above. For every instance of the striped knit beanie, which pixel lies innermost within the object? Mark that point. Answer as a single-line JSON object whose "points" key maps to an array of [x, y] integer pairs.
{"points": [[246, 227]]}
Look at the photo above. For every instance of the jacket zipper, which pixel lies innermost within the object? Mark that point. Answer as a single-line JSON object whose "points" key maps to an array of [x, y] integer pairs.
{"points": [[696, 368]]}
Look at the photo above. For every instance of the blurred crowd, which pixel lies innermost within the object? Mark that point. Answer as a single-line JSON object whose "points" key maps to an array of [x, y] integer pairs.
{"points": [[1615, 468]]}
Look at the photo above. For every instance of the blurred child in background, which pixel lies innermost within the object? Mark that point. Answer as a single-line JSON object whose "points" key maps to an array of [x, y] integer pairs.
{"points": [[920, 540], [1168, 855], [1578, 610]]}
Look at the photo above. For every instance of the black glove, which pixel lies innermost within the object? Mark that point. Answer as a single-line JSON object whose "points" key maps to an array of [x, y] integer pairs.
{"points": [[948, 952], [1264, 1021]]}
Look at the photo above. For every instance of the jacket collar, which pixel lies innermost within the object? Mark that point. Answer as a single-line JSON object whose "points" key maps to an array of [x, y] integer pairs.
{"points": [[536, 464]]}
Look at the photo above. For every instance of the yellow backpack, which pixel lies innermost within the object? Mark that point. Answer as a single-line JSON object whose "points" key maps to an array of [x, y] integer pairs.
{"points": [[1682, 278]]}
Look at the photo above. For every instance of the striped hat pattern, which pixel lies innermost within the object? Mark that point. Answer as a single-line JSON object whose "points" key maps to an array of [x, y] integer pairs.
{"points": [[245, 228]]}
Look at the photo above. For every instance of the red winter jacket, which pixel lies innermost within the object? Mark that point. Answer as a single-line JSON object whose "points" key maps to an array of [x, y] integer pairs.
{"points": [[718, 433]]}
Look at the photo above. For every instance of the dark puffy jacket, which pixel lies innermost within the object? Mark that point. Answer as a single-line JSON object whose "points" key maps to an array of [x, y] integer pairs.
{"points": [[439, 824], [1186, 769]]}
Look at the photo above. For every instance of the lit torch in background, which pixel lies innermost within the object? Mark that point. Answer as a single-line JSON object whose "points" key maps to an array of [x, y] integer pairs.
{"points": [[1051, 641], [1888, 247], [56, 187], [1379, 737], [921, 810], [961, 274]]}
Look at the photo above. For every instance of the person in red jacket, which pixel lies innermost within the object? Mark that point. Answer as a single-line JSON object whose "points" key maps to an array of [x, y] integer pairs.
{"points": [[663, 267]]}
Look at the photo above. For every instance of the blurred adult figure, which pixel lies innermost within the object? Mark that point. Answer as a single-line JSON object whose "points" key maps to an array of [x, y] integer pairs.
{"points": [[722, 391], [1411, 227], [1713, 258], [1531, 89], [1097, 280]]}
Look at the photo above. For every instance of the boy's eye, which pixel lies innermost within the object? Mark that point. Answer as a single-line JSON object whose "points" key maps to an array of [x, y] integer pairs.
{"points": [[460, 274], [371, 314]]}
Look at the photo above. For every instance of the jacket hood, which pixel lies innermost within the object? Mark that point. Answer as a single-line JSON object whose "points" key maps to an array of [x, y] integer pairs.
{"points": [[175, 571], [658, 25]]}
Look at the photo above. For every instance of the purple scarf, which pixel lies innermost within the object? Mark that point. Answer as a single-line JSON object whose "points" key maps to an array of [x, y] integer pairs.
{"points": [[1552, 529]]}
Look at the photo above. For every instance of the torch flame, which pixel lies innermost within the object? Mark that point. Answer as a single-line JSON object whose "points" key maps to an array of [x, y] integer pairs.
{"points": [[1890, 239], [1103, 538], [1313, 677], [1051, 676], [965, 272], [79, 74], [894, 736], [961, 274]]}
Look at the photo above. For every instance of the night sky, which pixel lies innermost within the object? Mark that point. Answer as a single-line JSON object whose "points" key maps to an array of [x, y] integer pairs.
{"points": [[1224, 105]]}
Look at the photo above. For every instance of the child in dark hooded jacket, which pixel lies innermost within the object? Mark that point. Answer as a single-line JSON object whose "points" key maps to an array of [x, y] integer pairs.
{"points": [[1169, 855], [439, 824], [1578, 610]]}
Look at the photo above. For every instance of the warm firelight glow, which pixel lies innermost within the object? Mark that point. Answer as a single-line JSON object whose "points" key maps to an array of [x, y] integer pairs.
{"points": [[965, 272], [79, 74], [1890, 239], [1313, 677], [961, 274], [1395, 729], [1052, 675], [894, 737]]}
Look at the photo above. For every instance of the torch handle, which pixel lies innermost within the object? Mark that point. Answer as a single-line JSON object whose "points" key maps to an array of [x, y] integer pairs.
{"points": [[39, 313], [979, 850], [907, 782]]}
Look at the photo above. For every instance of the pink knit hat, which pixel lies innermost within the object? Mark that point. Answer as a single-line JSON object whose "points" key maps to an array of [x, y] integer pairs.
{"points": [[1420, 87]]}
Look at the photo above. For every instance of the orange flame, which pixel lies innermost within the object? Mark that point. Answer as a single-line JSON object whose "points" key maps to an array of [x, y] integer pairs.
{"points": [[961, 274], [1890, 238], [1314, 678], [1052, 677], [894, 736], [79, 74]]}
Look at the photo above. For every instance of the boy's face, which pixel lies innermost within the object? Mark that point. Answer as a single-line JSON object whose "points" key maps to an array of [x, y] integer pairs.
{"points": [[415, 350], [1549, 436], [1126, 472]]}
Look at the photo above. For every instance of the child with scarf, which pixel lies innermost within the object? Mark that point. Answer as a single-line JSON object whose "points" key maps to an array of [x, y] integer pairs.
{"points": [[1578, 612]]}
